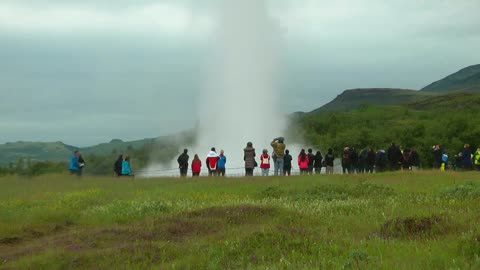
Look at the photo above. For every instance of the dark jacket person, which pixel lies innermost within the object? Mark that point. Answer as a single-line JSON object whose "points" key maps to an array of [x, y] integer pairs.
{"points": [[249, 158], [117, 167], [183, 163], [318, 164]]}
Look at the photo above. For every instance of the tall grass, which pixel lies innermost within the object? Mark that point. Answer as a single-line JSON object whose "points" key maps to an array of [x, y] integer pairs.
{"points": [[424, 220]]}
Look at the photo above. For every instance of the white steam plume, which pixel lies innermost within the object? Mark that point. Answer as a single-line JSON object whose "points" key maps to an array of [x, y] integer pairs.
{"points": [[240, 102]]}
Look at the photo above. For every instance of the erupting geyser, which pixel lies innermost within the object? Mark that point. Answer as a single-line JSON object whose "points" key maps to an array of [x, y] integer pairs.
{"points": [[239, 104]]}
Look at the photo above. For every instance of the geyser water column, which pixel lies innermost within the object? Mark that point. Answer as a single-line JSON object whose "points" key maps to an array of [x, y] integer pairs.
{"points": [[239, 103]]}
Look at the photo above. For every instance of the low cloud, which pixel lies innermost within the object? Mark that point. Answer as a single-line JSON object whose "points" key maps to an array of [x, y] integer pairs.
{"points": [[88, 71]]}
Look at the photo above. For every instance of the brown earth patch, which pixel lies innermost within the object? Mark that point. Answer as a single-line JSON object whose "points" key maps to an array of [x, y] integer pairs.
{"points": [[239, 214], [199, 223], [211, 220], [10, 240], [414, 227]]}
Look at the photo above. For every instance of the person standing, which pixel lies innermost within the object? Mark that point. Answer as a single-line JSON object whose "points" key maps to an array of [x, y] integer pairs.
{"points": [[437, 156], [381, 161], [196, 166], [221, 163], [212, 159], [303, 162], [278, 145], [81, 164], [329, 161], [126, 167], [287, 163], [346, 163], [249, 158], [467, 157], [318, 164], [444, 165], [394, 156], [476, 159], [183, 163], [353, 160], [370, 162], [74, 166], [311, 161], [362, 161], [414, 160], [265, 162], [405, 159], [117, 167]]}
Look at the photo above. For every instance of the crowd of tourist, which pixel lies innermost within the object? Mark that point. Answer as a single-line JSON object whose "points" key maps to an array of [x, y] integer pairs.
{"points": [[309, 162]]}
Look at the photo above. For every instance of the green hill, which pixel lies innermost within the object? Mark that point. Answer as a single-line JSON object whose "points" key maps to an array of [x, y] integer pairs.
{"points": [[465, 80], [451, 120], [458, 101], [352, 99]]}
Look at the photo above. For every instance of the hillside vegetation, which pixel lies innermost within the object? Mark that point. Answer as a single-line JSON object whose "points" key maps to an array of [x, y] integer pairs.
{"points": [[451, 120], [442, 113]]}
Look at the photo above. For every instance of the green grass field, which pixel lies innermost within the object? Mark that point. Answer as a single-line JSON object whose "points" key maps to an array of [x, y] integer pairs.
{"points": [[421, 220]]}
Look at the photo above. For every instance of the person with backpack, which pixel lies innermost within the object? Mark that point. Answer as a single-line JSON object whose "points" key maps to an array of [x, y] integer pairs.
{"points": [[329, 161], [196, 166], [303, 162], [249, 158], [287, 163], [318, 164], [74, 166], [211, 161], [221, 163], [278, 145], [117, 166], [476, 159], [183, 163], [126, 167], [265, 162], [443, 167], [311, 161], [346, 163]]}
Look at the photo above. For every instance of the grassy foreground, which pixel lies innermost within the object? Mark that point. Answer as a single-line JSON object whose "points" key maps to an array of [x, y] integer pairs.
{"points": [[421, 220]]}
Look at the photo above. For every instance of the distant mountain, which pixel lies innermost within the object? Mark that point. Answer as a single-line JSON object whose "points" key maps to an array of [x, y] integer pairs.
{"points": [[58, 151], [55, 151], [352, 99], [465, 80]]}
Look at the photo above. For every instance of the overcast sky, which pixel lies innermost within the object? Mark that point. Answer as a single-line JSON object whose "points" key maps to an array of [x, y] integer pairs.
{"points": [[88, 71]]}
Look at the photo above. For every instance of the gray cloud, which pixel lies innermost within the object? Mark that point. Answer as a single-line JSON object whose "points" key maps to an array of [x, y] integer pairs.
{"points": [[132, 76]]}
